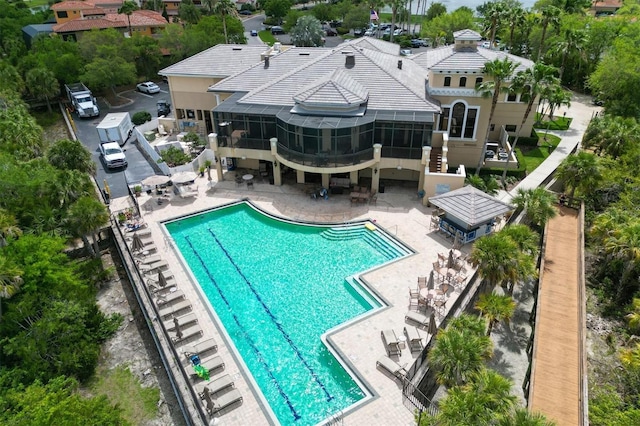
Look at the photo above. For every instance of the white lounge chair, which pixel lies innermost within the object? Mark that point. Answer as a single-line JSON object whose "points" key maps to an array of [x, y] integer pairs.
{"points": [[392, 367], [183, 321], [186, 333], [226, 400], [214, 386], [187, 191], [202, 348], [391, 342], [167, 298], [413, 338], [153, 267], [168, 311], [211, 364], [418, 318]]}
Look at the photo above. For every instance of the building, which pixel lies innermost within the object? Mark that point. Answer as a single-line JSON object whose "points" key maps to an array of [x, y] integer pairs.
{"points": [[75, 17], [605, 7], [359, 111]]}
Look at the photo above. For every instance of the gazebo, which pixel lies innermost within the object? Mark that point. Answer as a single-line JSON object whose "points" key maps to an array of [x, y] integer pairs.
{"points": [[468, 213]]}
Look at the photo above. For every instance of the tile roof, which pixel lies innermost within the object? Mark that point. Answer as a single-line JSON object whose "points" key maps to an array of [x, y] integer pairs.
{"points": [[256, 75], [390, 88], [337, 89], [73, 5], [375, 44], [467, 35], [219, 61], [139, 18], [470, 205], [446, 58]]}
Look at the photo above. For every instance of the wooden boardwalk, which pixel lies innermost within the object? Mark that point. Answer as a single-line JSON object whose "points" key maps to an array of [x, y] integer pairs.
{"points": [[558, 375]]}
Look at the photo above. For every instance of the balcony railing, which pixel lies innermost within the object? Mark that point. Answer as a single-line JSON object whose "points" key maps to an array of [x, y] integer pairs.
{"points": [[408, 153], [243, 142], [325, 159]]}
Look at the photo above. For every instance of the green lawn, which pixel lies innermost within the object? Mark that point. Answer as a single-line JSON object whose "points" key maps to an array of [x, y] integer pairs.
{"points": [[36, 3], [267, 37], [534, 156], [559, 123], [139, 404]]}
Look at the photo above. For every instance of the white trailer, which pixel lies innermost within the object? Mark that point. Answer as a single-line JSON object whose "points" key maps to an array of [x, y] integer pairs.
{"points": [[115, 127]]}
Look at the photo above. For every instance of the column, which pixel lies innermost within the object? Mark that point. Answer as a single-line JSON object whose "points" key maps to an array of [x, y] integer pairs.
{"points": [[325, 180], [277, 175], [375, 172], [213, 144]]}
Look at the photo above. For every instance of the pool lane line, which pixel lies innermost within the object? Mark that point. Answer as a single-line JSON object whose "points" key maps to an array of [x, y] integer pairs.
{"points": [[274, 319], [257, 352]]}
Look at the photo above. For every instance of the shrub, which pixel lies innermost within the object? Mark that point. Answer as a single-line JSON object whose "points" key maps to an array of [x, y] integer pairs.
{"points": [[141, 117], [174, 157], [248, 6], [342, 30]]}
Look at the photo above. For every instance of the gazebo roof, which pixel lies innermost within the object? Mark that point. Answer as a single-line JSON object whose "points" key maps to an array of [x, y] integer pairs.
{"points": [[470, 205]]}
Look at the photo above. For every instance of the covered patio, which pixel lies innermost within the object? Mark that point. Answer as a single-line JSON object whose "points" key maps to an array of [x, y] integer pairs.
{"points": [[468, 213]]}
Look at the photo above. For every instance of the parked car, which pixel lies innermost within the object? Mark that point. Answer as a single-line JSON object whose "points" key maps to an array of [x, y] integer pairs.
{"points": [[416, 42], [276, 29], [330, 32], [486, 44], [405, 52], [254, 33], [370, 33], [358, 32], [398, 31], [245, 12], [148, 87]]}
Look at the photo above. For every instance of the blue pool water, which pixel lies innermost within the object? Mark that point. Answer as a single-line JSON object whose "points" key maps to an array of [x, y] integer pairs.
{"points": [[277, 287]]}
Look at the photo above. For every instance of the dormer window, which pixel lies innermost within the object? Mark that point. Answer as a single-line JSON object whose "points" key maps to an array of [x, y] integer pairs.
{"points": [[447, 81], [463, 81]]}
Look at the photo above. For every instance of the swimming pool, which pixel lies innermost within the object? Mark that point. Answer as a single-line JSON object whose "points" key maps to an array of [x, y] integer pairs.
{"points": [[277, 287]]}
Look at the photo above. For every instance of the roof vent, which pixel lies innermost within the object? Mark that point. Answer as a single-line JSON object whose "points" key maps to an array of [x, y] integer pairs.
{"points": [[236, 48], [350, 61], [400, 64], [266, 62], [277, 46], [303, 53]]}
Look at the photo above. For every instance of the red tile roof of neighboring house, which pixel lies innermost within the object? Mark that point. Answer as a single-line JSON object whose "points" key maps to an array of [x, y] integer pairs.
{"points": [[607, 3], [73, 5], [139, 18]]}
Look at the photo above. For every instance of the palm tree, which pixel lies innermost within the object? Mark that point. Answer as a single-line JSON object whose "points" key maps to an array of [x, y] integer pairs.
{"points": [[613, 135], [457, 354], [10, 280], [84, 218], [225, 8], [8, 227], [66, 154], [549, 15], [500, 71], [530, 84], [539, 204], [572, 40], [624, 245], [495, 390], [523, 417], [525, 238], [515, 17], [493, 14], [43, 84], [468, 323], [495, 308], [128, 7], [496, 258], [580, 172], [395, 5]]}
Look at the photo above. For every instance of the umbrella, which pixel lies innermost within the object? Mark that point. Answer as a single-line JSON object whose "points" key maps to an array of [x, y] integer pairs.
{"points": [[162, 281], [433, 329], [430, 282], [136, 243], [183, 177], [456, 241], [176, 324], [179, 335], [208, 400], [154, 180], [450, 263]]}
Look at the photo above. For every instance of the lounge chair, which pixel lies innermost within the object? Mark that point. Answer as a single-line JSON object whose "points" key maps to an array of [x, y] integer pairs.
{"points": [[186, 333], [169, 311], [147, 260], [214, 386], [211, 363], [413, 338], [153, 267], [183, 321], [187, 191], [166, 299], [202, 348], [391, 342], [226, 400], [392, 367], [421, 320]]}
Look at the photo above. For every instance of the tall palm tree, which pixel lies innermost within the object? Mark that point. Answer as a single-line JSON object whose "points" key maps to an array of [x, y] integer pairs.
{"points": [[612, 135], [10, 280], [525, 238], [514, 17], [8, 227], [523, 417], [468, 323], [494, 14], [128, 7], [539, 204], [499, 71], [395, 6], [624, 245], [549, 14], [495, 390], [496, 258], [495, 308], [530, 84], [225, 8], [580, 172], [457, 354], [573, 40], [84, 218], [43, 84]]}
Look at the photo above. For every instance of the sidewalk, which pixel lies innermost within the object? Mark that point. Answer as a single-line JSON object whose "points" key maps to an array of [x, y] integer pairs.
{"points": [[581, 111]]}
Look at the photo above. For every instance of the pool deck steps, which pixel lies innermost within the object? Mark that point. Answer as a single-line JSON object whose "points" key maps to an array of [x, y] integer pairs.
{"points": [[378, 241]]}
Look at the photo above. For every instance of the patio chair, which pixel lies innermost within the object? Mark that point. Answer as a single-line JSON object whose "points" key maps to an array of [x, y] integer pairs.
{"points": [[442, 259], [185, 333], [211, 364], [418, 318], [168, 298], [188, 191], [183, 321], [391, 342], [202, 348], [422, 283], [414, 297], [392, 367], [373, 198], [413, 338], [440, 305], [169, 311], [215, 386], [226, 400]]}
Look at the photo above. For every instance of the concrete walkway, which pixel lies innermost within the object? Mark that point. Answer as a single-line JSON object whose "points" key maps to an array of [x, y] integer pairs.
{"points": [[582, 111]]}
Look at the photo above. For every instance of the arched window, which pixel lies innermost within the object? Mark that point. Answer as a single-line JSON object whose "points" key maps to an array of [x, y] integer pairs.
{"points": [[459, 121], [447, 81], [463, 81]]}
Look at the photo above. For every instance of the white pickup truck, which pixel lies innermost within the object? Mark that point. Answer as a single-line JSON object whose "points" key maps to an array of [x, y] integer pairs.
{"points": [[112, 155]]}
